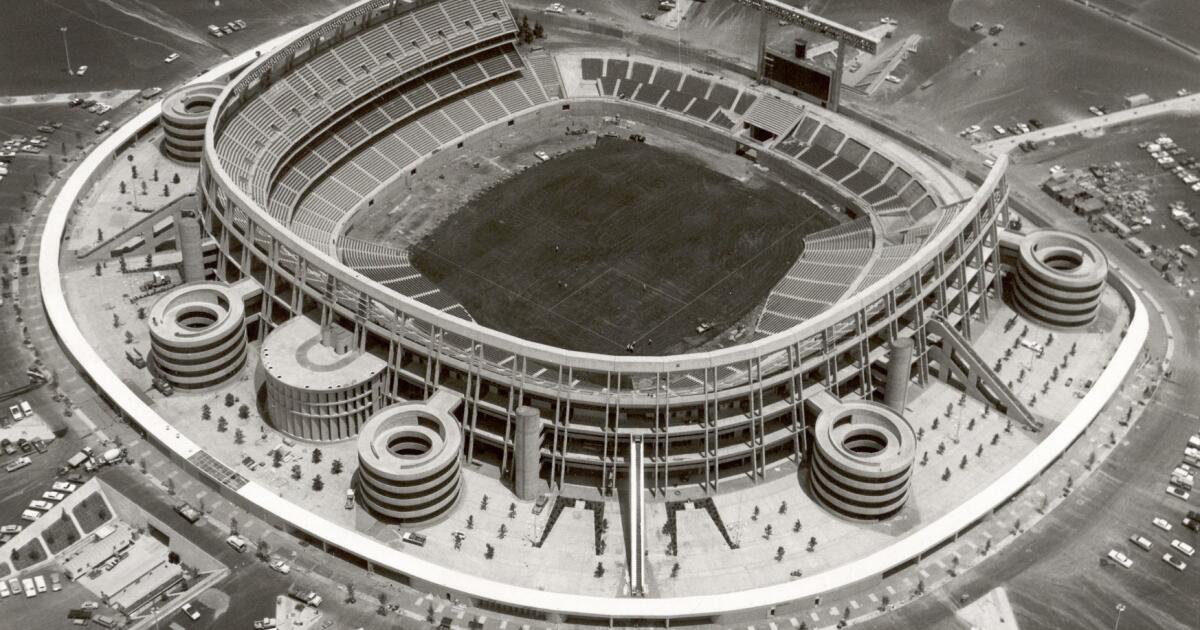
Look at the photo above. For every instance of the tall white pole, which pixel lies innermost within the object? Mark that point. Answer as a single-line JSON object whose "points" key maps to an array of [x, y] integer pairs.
{"points": [[67, 50]]}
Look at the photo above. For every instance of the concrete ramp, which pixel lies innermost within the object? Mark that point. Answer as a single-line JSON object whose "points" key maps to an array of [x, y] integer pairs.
{"points": [[637, 518]]}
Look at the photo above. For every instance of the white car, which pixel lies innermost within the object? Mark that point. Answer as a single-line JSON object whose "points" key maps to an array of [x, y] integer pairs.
{"points": [[1161, 523], [1175, 562], [1119, 558], [1141, 541], [64, 487], [171, 58], [4, 592], [1178, 492], [970, 130], [191, 612], [281, 566], [53, 496], [1000, 131], [26, 409], [15, 412], [542, 155], [41, 505], [1183, 547]]}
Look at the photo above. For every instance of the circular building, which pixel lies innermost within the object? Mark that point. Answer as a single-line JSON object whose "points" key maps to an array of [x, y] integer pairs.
{"points": [[318, 387], [198, 335], [184, 115], [1060, 277], [862, 460], [408, 463]]}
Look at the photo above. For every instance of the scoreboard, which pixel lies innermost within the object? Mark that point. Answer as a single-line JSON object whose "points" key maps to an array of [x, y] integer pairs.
{"points": [[798, 77]]}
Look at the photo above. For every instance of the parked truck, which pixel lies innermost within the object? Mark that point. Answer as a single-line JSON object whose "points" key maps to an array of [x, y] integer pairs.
{"points": [[308, 597]]}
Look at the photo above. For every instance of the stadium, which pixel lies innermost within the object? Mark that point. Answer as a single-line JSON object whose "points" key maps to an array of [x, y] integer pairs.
{"points": [[308, 135], [645, 285]]}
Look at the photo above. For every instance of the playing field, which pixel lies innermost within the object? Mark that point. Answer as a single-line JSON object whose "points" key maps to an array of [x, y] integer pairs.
{"points": [[620, 243]]}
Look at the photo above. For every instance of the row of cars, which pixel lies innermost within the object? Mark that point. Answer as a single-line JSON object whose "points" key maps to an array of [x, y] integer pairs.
{"points": [[1180, 485], [31, 586], [59, 491], [1174, 158], [228, 29]]}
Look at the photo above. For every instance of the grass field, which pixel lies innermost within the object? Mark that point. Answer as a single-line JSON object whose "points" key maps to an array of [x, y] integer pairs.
{"points": [[615, 244]]}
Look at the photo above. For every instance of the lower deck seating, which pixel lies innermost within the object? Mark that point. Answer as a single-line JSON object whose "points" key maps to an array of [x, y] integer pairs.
{"points": [[670, 89], [391, 268]]}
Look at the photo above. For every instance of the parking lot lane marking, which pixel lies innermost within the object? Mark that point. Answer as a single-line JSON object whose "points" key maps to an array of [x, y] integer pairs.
{"points": [[795, 622], [854, 605], [872, 597], [834, 611], [890, 590], [815, 616]]}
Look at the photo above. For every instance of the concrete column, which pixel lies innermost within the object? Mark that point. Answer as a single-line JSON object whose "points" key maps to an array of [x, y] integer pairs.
{"points": [[527, 453], [191, 247], [895, 393]]}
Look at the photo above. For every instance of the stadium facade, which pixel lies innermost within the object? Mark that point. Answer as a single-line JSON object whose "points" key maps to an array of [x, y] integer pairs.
{"points": [[307, 135]]}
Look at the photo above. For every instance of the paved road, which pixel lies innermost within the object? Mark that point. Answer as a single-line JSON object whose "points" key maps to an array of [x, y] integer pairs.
{"points": [[1189, 103]]}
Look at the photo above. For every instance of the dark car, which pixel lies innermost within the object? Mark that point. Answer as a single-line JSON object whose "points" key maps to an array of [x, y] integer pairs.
{"points": [[26, 447]]}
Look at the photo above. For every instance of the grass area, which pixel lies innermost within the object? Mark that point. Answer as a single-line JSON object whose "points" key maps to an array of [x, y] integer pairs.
{"points": [[61, 534], [91, 512], [4, 570], [620, 243], [28, 554]]}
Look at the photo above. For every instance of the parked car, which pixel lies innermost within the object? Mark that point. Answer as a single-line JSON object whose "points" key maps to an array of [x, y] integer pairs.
{"points": [[1178, 492], [1120, 558], [189, 513], [540, 504], [41, 505], [1173, 561], [281, 567], [1141, 541], [65, 487], [413, 538], [266, 623], [1183, 547], [191, 612], [10, 529], [1161, 523], [50, 495], [15, 412]]}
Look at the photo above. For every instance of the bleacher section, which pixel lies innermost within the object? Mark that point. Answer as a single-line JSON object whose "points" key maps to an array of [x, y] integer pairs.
{"points": [[832, 261], [392, 269], [364, 110], [689, 94], [858, 168]]}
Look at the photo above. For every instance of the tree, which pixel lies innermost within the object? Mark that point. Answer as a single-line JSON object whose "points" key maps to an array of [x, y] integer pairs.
{"points": [[538, 31], [122, 265], [145, 188], [754, 516], [979, 451], [920, 433], [122, 188], [934, 426], [503, 531], [276, 458], [971, 424], [222, 424], [170, 483], [133, 170], [470, 521], [512, 510], [675, 570], [149, 260], [925, 458], [599, 572], [230, 400], [1045, 504], [128, 337], [797, 526], [350, 592], [488, 551], [141, 312], [779, 554], [155, 175], [941, 448], [783, 508], [884, 602], [116, 318], [946, 475], [317, 455], [99, 235], [483, 503], [995, 439], [233, 525], [243, 411], [175, 178], [336, 467], [296, 472], [812, 543], [963, 464], [264, 549], [239, 437], [318, 484], [383, 600], [1091, 460], [166, 191], [99, 273], [767, 532]]}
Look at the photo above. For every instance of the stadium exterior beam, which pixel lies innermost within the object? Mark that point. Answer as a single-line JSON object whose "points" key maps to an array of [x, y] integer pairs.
{"points": [[853, 38]]}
